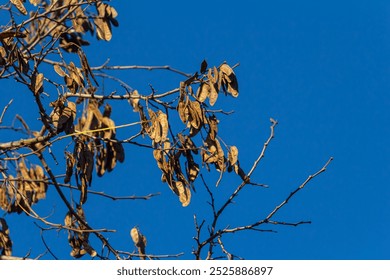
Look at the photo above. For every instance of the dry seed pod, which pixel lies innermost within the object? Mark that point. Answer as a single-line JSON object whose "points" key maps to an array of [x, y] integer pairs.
{"points": [[184, 193], [139, 241], [70, 162], [153, 127], [163, 121], [37, 83], [183, 111], [58, 69], [4, 204], [134, 98], [111, 157], [203, 92], [213, 125], [35, 2], [19, 5], [68, 221], [120, 152], [192, 170], [135, 235], [229, 79], [100, 160], [65, 120], [3, 55], [5, 240], [203, 66], [214, 86], [221, 157], [108, 123], [233, 155]]}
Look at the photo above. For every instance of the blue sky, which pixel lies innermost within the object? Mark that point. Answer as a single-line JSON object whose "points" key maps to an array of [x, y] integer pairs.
{"points": [[321, 68]]}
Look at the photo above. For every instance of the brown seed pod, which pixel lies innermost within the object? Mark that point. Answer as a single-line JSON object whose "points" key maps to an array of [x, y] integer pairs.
{"points": [[19, 5], [229, 80], [233, 155]]}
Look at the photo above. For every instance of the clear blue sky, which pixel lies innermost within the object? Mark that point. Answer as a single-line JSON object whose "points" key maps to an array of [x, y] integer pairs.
{"points": [[321, 68]]}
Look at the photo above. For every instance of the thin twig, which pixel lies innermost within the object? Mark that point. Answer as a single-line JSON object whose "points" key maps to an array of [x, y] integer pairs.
{"points": [[4, 110]]}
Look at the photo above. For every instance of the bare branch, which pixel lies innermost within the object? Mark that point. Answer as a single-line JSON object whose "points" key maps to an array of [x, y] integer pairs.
{"points": [[4, 110]]}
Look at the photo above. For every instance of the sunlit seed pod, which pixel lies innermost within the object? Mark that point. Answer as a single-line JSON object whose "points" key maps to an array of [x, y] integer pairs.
{"points": [[233, 155], [203, 92], [135, 235], [19, 5]]}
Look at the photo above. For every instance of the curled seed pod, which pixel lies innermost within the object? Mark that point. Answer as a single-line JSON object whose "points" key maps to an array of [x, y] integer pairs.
{"points": [[233, 155]]}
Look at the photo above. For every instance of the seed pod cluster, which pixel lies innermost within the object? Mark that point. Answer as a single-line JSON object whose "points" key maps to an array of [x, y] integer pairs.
{"points": [[20, 193], [158, 127], [78, 240], [103, 22], [73, 76], [223, 80], [63, 115], [194, 113], [96, 145]]}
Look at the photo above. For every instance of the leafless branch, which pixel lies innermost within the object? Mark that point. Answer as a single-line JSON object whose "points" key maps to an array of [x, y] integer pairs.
{"points": [[4, 110]]}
